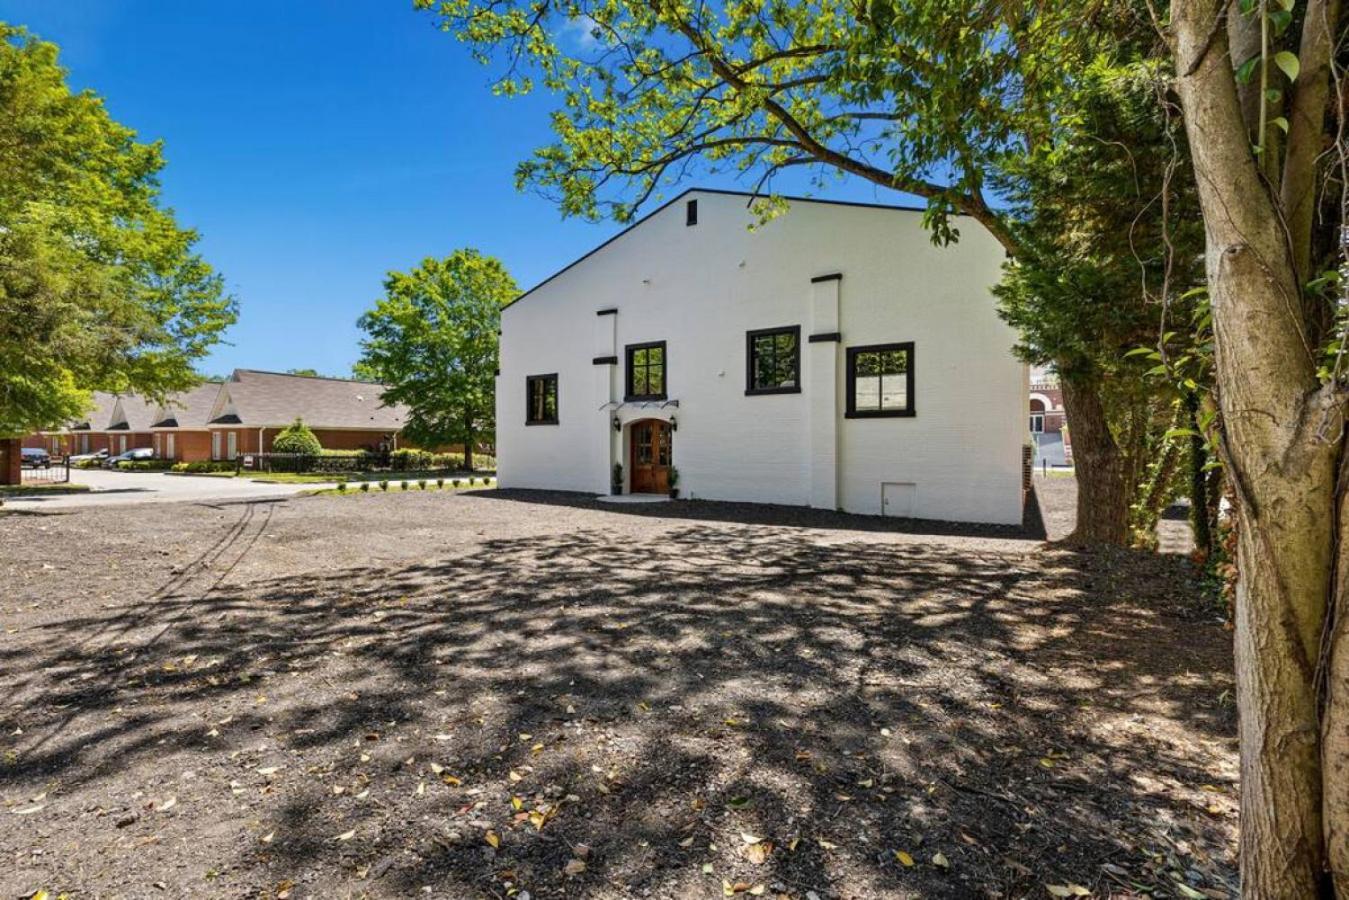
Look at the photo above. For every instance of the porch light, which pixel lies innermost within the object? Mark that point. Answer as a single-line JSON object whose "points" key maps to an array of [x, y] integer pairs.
{"points": [[618, 425], [674, 424]]}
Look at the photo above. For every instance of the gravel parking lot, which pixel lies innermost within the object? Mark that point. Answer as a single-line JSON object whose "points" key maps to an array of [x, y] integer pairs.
{"points": [[511, 693]]}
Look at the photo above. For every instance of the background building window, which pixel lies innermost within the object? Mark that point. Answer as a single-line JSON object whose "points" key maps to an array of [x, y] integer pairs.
{"points": [[880, 380], [541, 402], [774, 361], [646, 371]]}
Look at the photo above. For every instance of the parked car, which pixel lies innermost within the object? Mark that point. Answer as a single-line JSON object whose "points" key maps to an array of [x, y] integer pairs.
{"points": [[129, 456], [96, 457], [36, 458]]}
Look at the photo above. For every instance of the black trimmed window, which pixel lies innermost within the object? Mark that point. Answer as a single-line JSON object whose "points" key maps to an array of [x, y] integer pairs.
{"points": [[541, 399], [773, 361], [645, 371], [880, 381]]}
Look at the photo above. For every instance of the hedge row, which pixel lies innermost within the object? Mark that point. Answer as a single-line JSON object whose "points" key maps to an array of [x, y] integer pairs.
{"points": [[145, 465], [205, 465]]}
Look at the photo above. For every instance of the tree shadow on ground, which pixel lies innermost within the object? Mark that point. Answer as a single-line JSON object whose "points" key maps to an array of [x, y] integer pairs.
{"points": [[666, 706], [1031, 528]]}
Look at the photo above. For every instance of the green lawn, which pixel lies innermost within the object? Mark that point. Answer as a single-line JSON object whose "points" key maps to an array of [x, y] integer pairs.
{"points": [[11, 490], [330, 477]]}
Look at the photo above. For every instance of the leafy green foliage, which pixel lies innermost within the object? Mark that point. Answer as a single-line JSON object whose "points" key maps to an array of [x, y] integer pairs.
{"points": [[297, 438], [925, 98], [432, 338], [99, 287]]}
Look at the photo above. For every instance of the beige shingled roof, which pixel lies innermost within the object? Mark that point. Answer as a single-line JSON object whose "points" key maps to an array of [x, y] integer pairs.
{"points": [[139, 413], [100, 416], [190, 409], [258, 399]]}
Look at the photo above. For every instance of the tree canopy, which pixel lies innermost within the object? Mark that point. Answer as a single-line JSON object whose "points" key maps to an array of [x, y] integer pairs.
{"points": [[921, 98], [100, 289], [433, 339]]}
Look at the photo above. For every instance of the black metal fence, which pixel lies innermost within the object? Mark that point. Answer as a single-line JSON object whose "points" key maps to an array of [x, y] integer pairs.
{"points": [[56, 470]]}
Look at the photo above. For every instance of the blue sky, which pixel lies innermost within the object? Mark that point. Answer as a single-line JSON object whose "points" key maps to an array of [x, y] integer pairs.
{"points": [[316, 146]]}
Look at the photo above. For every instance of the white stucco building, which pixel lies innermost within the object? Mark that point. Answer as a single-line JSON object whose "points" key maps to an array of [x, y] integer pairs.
{"points": [[833, 357]]}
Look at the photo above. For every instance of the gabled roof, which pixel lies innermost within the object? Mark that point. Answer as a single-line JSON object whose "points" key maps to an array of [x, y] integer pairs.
{"points": [[132, 413], [748, 195], [258, 399], [189, 409], [99, 417]]}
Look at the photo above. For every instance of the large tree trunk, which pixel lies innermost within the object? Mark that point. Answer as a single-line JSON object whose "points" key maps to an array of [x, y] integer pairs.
{"points": [[1103, 487], [1282, 445]]}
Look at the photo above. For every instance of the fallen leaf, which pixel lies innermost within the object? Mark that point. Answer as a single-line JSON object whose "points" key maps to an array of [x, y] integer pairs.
{"points": [[938, 859], [574, 867], [905, 859], [686, 842], [492, 838], [749, 838], [348, 835], [451, 780]]}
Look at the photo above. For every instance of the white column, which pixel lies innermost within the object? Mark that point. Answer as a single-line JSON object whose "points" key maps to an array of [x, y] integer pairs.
{"points": [[602, 393], [822, 364]]}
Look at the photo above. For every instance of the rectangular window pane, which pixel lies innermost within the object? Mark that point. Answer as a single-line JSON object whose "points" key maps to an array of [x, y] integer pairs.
{"points": [[881, 378], [541, 399], [773, 360], [867, 392]]}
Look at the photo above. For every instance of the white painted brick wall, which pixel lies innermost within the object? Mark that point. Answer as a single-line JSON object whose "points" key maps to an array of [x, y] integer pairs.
{"points": [[701, 288]]}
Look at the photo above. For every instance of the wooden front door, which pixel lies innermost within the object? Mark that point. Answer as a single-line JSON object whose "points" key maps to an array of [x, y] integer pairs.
{"points": [[650, 457]]}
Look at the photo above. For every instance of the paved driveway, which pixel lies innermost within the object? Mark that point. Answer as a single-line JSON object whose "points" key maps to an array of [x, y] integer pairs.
{"points": [[110, 488]]}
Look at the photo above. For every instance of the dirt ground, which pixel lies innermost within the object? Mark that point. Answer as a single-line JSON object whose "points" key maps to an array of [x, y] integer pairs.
{"points": [[527, 695]]}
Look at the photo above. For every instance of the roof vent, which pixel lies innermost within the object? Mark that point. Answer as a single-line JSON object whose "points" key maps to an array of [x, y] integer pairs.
{"points": [[691, 213]]}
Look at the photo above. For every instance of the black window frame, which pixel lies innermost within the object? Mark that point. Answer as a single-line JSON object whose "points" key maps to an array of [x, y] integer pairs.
{"points": [[530, 381], [750, 337], [690, 213], [910, 408], [628, 351]]}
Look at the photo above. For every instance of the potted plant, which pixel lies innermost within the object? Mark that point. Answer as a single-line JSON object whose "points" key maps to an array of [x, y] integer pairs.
{"points": [[674, 483], [616, 486]]}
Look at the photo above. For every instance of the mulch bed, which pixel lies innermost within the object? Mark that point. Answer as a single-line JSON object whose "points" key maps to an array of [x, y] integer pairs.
{"points": [[532, 695]]}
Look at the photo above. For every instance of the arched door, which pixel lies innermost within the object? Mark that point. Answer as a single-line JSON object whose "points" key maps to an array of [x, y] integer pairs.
{"points": [[649, 456]]}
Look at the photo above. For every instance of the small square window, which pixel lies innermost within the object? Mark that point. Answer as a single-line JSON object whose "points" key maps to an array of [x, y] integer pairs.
{"points": [[541, 399], [880, 381], [645, 371], [773, 361]]}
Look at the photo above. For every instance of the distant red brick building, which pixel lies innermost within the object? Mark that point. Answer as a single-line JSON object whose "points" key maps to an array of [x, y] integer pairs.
{"points": [[1048, 420], [240, 415]]}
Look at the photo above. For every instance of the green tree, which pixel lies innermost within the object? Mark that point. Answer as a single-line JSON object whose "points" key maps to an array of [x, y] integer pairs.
{"points": [[1106, 219], [432, 338], [99, 287], [297, 438]]}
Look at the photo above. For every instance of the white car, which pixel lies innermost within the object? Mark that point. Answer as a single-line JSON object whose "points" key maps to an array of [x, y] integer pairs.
{"points": [[96, 456]]}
